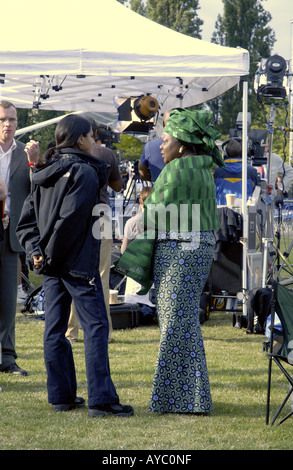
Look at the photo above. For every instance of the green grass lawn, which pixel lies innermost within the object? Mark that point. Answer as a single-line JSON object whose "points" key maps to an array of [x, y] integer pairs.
{"points": [[238, 376]]}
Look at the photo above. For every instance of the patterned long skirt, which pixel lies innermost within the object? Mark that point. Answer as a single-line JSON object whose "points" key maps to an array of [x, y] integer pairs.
{"points": [[181, 383]]}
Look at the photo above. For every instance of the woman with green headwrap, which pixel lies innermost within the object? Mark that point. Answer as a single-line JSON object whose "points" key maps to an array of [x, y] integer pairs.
{"points": [[182, 211]]}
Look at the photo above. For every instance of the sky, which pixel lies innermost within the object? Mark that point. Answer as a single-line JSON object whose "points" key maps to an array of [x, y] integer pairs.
{"points": [[282, 14]]}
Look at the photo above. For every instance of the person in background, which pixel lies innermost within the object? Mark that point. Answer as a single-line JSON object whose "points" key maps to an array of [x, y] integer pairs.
{"points": [[183, 255], [56, 232], [3, 193], [16, 176], [229, 179], [22, 285], [280, 169], [134, 227], [3, 196], [151, 162], [115, 182]]}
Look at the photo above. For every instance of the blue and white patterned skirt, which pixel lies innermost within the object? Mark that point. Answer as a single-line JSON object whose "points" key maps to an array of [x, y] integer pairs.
{"points": [[181, 383]]}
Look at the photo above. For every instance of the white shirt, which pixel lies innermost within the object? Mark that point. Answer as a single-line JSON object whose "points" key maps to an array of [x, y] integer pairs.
{"points": [[5, 161], [134, 226], [278, 169]]}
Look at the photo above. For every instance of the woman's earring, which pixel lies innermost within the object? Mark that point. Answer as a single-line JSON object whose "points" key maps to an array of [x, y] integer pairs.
{"points": [[181, 149]]}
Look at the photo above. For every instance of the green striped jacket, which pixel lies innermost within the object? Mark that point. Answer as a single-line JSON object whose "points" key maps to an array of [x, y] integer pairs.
{"points": [[183, 197]]}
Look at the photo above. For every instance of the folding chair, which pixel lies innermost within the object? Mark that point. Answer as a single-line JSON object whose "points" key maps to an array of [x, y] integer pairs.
{"points": [[281, 353]]}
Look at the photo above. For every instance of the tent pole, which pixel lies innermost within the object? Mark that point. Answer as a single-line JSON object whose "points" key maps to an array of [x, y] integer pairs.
{"points": [[24, 130], [244, 190], [291, 104]]}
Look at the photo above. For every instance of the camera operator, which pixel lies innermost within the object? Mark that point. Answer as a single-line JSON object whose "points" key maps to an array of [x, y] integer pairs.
{"points": [[278, 168], [229, 179]]}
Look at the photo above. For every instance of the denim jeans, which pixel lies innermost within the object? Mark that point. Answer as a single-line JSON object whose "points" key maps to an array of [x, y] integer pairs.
{"points": [[91, 310]]}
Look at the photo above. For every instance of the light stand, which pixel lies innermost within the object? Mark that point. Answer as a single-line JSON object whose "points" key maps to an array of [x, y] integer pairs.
{"points": [[269, 84], [132, 189], [268, 238]]}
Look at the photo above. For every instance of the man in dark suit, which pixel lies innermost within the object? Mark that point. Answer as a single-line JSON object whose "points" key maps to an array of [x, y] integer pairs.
{"points": [[16, 175]]}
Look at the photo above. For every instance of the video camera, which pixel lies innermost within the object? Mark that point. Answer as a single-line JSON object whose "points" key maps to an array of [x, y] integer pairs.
{"points": [[256, 140], [269, 78], [108, 137]]}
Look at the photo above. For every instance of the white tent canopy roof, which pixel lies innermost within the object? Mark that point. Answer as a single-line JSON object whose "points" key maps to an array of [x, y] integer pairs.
{"points": [[61, 56]]}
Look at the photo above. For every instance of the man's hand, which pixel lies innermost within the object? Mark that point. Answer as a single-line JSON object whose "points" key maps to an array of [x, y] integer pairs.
{"points": [[5, 221]]}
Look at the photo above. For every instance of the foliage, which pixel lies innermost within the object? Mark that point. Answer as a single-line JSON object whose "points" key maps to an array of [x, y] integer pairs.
{"points": [[176, 14], [30, 117], [138, 6], [280, 138], [130, 147], [244, 23]]}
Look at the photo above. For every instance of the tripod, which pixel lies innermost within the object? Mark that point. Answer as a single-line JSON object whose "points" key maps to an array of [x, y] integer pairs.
{"points": [[270, 207], [273, 202], [132, 190]]}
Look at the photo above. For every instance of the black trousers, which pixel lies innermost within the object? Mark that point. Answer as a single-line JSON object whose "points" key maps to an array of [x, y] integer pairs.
{"points": [[90, 306], [8, 295]]}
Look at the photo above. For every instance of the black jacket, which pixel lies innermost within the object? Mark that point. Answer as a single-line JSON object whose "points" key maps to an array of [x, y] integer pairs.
{"points": [[56, 220]]}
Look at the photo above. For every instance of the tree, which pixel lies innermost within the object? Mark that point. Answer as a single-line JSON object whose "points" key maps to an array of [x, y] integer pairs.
{"points": [[138, 6], [30, 117], [178, 15], [245, 24], [130, 147]]}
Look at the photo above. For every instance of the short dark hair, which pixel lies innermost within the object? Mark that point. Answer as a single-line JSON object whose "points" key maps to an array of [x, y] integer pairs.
{"points": [[234, 148]]}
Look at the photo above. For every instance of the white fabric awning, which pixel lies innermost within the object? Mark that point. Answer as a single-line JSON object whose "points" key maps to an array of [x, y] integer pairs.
{"points": [[77, 57]]}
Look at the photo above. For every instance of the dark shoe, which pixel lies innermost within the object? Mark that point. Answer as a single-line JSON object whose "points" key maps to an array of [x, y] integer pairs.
{"points": [[110, 410], [78, 403], [14, 369]]}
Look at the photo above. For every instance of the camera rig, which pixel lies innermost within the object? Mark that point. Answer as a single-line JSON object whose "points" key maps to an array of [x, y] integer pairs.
{"points": [[256, 140], [108, 137], [272, 85]]}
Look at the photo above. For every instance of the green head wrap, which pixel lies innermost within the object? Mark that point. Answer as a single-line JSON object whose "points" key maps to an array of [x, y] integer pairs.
{"points": [[194, 127]]}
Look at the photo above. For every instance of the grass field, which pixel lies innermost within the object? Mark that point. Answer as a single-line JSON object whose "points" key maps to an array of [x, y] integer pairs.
{"points": [[238, 376]]}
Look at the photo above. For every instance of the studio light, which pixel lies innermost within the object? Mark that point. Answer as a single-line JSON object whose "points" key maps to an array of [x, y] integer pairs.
{"points": [[136, 114], [145, 107]]}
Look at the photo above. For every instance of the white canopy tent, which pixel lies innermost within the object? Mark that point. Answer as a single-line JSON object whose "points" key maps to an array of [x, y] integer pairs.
{"points": [[78, 57]]}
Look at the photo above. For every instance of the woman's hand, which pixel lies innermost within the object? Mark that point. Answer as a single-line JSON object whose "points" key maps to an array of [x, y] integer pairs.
{"points": [[38, 261], [32, 150]]}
